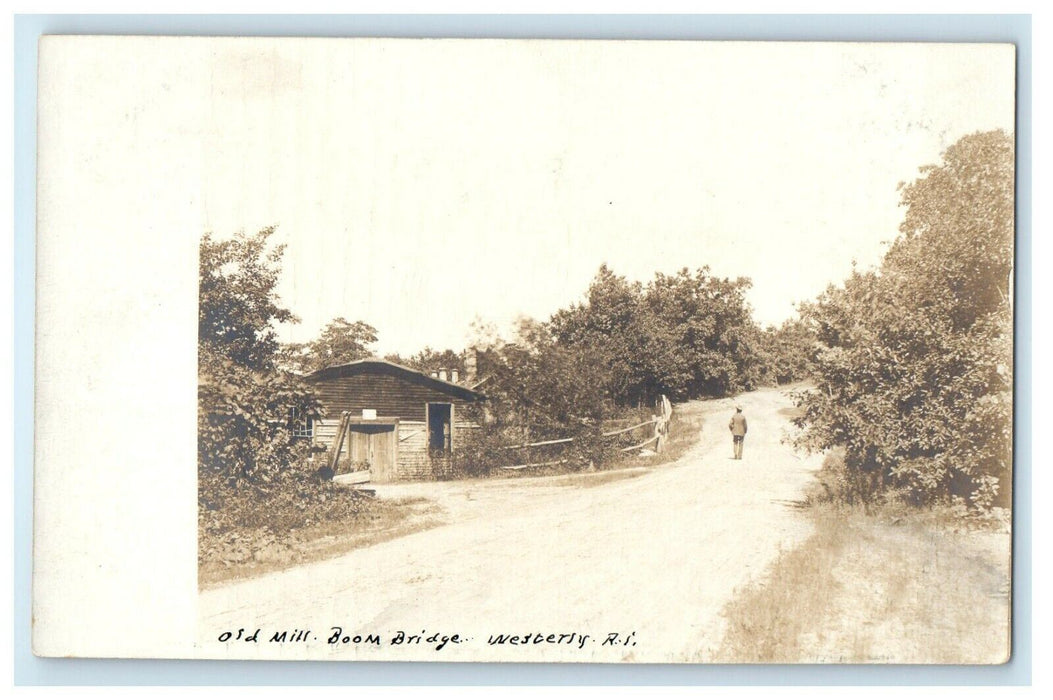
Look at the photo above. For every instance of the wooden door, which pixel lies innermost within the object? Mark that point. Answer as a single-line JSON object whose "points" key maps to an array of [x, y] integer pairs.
{"points": [[374, 447], [385, 455]]}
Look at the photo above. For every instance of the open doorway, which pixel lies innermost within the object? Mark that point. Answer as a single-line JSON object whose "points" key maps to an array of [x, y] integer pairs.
{"points": [[440, 428]]}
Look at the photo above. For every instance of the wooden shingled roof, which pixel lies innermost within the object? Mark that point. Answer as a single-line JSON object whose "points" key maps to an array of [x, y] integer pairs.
{"points": [[383, 367]]}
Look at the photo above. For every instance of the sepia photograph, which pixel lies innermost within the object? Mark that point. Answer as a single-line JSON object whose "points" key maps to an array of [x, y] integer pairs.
{"points": [[559, 351]]}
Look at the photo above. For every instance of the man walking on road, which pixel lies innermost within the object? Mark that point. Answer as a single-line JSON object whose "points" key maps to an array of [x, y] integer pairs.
{"points": [[738, 428]]}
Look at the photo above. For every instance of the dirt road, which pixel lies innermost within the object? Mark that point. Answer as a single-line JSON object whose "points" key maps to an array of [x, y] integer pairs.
{"points": [[652, 558]]}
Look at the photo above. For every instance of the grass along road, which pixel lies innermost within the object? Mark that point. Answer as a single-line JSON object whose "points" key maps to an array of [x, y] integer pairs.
{"points": [[887, 587]]}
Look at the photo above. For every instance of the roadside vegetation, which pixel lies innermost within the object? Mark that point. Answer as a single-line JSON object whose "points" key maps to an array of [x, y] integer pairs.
{"points": [[261, 502], [259, 528], [683, 432], [912, 403], [881, 583], [913, 378]]}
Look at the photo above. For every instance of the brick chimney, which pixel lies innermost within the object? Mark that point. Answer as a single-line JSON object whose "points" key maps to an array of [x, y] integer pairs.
{"points": [[442, 374], [455, 375]]}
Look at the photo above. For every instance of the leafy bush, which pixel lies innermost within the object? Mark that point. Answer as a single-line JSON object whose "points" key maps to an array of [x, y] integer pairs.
{"points": [[840, 484], [430, 359], [791, 352], [245, 420], [246, 405], [261, 522], [914, 378], [294, 499], [538, 389]]}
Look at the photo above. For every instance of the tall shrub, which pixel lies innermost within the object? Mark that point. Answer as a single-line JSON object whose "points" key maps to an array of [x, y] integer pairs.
{"points": [[915, 375], [247, 406]]}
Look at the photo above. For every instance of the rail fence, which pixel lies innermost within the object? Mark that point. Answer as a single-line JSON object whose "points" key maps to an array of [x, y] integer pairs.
{"points": [[660, 431]]}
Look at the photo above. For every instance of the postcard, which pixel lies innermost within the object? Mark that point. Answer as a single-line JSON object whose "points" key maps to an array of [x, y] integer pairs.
{"points": [[524, 350]]}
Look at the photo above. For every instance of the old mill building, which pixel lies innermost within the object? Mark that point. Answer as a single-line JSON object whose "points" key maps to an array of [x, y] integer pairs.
{"points": [[402, 424]]}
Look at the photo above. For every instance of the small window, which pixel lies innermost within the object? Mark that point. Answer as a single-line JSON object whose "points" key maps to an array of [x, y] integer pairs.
{"points": [[301, 426]]}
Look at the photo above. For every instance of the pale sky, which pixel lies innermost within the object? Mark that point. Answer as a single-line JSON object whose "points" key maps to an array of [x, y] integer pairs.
{"points": [[421, 184]]}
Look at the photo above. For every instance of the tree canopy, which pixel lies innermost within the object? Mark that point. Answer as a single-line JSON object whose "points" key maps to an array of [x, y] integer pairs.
{"points": [[340, 342], [684, 335], [430, 359], [238, 306]]}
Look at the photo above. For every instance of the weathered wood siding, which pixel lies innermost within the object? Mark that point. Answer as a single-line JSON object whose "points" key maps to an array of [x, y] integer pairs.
{"points": [[389, 395], [414, 461], [393, 392], [325, 432]]}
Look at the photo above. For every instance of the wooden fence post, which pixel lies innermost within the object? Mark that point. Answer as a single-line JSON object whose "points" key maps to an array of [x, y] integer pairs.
{"points": [[341, 433]]}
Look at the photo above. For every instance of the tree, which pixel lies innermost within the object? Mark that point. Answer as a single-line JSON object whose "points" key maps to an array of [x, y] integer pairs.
{"points": [[790, 351], [430, 359], [626, 343], [552, 385], [238, 306], [610, 324], [539, 389], [914, 378], [712, 328], [684, 335], [247, 406], [339, 343]]}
